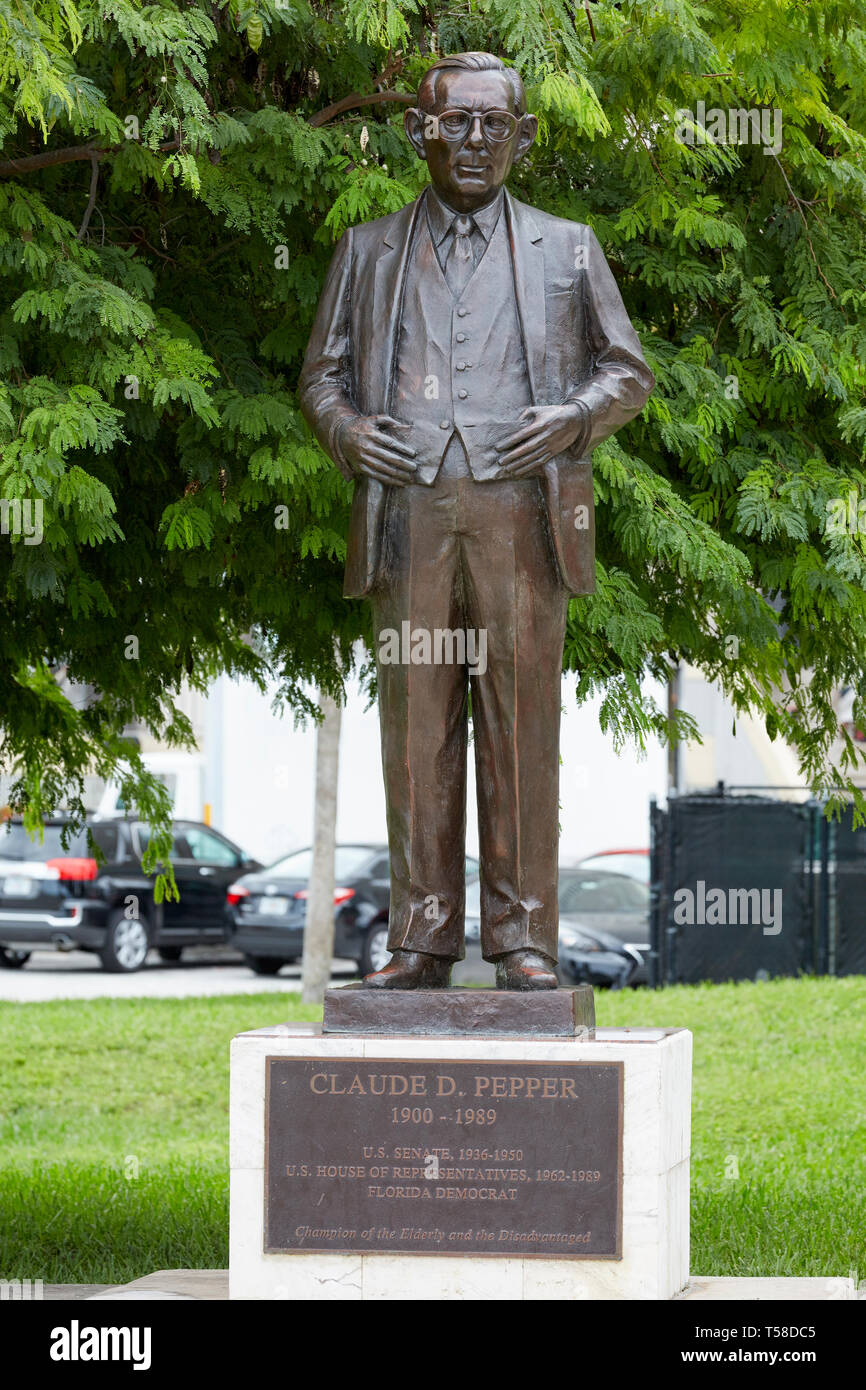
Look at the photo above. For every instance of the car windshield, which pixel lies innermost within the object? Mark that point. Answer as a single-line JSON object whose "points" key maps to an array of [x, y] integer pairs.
{"points": [[15, 843], [579, 893], [633, 865], [349, 862]]}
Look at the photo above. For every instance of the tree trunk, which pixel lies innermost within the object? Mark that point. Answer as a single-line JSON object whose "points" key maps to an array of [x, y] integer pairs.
{"points": [[319, 930]]}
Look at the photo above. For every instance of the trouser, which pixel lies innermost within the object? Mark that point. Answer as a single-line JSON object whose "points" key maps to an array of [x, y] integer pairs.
{"points": [[475, 558]]}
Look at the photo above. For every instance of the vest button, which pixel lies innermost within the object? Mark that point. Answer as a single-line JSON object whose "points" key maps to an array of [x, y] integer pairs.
{"points": [[461, 313], [463, 395], [461, 337], [461, 366], [444, 424]]}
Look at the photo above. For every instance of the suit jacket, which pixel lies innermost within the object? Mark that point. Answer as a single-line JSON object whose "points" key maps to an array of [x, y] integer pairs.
{"points": [[578, 342]]}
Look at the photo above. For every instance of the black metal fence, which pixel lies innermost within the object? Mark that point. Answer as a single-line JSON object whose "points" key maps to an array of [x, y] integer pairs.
{"points": [[749, 887]]}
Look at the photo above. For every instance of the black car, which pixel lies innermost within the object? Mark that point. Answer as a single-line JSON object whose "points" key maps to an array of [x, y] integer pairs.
{"points": [[591, 957], [269, 909], [62, 897], [614, 905], [586, 954]]}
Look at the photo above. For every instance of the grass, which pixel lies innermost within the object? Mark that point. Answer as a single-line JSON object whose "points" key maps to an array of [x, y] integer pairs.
{"points": [[114, 1128], [778, 1121]]}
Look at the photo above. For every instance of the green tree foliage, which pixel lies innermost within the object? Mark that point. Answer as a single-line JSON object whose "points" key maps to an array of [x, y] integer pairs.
{"points": [[173, 177]]}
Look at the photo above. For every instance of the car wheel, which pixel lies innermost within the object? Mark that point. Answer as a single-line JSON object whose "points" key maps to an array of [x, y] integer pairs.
{"points": [[375, 954], [126, 944], [13, 960], [170, 953], [265, 965]]}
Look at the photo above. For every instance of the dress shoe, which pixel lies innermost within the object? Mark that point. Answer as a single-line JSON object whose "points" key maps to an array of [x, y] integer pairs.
{"points": [[412, 970], [526, 970]]}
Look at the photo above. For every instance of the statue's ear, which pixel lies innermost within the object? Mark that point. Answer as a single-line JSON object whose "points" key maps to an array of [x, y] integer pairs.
{"points": [[413, 124], [525, 136]]}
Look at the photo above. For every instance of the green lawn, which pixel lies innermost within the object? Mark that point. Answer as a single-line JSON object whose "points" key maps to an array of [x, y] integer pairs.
{"points": [[114, 1128]]}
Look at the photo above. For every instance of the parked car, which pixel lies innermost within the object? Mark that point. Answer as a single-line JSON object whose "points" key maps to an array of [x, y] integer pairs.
{"points": [[61, 897], [268, 909], [587, 955], [603, 928], [616, 905], [635, 863]]}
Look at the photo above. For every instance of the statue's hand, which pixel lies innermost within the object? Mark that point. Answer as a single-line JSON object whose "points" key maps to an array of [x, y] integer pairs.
{"points": [[369, 450], [549, 430]]}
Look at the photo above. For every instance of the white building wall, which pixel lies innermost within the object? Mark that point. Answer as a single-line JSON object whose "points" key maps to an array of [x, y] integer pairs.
{"points": [[735, 749]]}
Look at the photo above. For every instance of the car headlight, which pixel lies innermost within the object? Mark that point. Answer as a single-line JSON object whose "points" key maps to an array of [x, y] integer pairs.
{"points": [[576, 940]]}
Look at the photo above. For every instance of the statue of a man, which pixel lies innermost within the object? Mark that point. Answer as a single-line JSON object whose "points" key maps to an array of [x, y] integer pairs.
{"points": [[468, 353]]}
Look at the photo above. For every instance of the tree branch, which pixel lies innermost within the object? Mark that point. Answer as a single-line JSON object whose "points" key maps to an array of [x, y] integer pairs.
{"points": [[70, 155], [28, 164], [648, 149], [357, 99], [49, 157], [799, 203], [220, 250], [91, 202]]}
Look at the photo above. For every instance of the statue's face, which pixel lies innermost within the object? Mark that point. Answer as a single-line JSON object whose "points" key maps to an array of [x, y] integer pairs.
{"points": [[469, 171]]}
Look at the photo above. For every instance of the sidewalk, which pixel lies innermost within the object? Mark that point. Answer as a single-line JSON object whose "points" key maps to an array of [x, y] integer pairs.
{"points": [[213, 1284]]}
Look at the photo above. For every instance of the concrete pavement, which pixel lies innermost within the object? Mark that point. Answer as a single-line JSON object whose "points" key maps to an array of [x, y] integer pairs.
{"points": [[202, 971]]}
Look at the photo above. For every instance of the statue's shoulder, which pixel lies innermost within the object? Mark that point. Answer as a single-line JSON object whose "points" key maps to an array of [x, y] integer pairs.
{"points": [[550, 226], [389, 228]]}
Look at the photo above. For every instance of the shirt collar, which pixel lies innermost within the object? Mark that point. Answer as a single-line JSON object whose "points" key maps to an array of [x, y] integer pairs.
{"points": [[440, 217]]}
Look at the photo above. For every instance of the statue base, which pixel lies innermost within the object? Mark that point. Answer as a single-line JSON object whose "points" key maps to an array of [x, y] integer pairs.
{"points": [[464, 1013]]}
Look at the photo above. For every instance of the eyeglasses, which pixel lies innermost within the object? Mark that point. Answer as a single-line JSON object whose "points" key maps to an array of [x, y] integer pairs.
{"points": [[455, 125]]}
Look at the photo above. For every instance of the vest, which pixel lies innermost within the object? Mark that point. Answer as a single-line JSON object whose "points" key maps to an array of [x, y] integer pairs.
{"points": [[460, 363]]}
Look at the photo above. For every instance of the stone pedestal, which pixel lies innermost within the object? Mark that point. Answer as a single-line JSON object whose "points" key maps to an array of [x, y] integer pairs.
{"points": [[650, 1179]]}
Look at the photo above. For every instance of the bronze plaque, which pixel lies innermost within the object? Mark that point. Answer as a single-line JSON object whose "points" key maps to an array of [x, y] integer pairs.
{"points": [[444, 1158]]}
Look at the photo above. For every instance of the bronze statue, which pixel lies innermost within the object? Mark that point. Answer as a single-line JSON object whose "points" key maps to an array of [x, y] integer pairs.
{"points": [[468, 353]]}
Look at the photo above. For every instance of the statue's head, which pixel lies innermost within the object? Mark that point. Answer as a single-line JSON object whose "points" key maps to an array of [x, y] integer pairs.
{"points": [[471, 126]]}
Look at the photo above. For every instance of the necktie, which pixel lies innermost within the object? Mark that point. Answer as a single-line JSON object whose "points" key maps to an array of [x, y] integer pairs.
{"points": [[460, 263]]}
